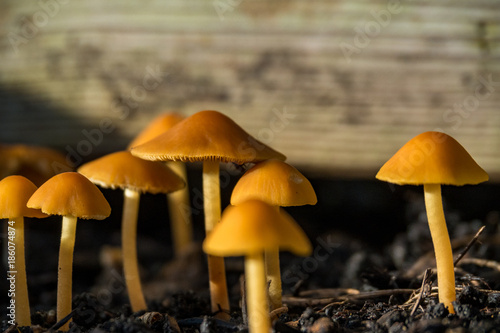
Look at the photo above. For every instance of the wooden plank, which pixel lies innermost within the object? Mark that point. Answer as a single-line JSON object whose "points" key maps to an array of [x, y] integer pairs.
{"points": [[347, 114]]}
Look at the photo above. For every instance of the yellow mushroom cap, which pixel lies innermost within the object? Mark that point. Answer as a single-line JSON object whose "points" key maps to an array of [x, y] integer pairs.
{"points": [[206, 135], [123, 170], [255, 226], [432, 158], [70, 194], [159, 125], [274, 182], [14, 194]]}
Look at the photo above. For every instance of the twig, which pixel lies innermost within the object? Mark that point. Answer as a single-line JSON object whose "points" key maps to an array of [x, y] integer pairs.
{"points": [[277, 312], [434, 293], [285, 328], [63, 321], [329, 305], [481, 263], [243, 300], [423, 290], [473, 240], [427, 258], [11, 329], [329, 292], [300, 301], [431, 292], [297, 287]]}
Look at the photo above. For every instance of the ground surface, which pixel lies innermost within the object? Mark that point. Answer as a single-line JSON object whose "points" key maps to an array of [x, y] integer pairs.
{"points": [[349, 284]]}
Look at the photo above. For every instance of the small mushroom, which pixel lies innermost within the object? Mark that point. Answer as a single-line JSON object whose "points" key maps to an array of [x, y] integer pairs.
{"points": [[278, 184], [14, 194], [433, 159], [210, 137], [250, 229], [73, 196], [134, 176], [178, 202]]}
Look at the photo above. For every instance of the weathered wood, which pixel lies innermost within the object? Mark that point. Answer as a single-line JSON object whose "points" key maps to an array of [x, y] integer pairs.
{"points": [[338, 86]]}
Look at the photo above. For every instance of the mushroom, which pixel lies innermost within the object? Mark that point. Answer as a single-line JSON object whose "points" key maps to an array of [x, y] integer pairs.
{"points": [[14, 194], [159, 125], [250, 229], [73, 196], [178, 202], [35, 163], [433, 159], [211, 137], [278, 184], [134, 176]]}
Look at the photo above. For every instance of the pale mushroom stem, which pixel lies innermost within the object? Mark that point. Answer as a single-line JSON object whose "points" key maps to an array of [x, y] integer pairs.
{"points": [[273, 275], [442, 245], [258, 308], [129, 249], [216, 268], [23, 316], [179, 208], [65, 275]]}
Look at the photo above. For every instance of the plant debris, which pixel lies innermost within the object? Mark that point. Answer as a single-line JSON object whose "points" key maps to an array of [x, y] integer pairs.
{"points": [[345, 286]]}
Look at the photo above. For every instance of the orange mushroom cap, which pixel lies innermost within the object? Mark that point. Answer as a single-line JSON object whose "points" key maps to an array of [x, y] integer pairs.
{"points": [[276, 183], [206, 135], [432, 158], [70, 194], [159, 125], [123, 170], [15, 192], [255, 226], [35, 163]]}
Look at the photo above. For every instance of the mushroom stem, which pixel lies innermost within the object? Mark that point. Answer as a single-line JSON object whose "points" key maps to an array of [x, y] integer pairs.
{"points": [[216, 268], [273, 275], [129, 248], [258, 308], [442, 245], [180, 214], [65, 276], [23, 316]]}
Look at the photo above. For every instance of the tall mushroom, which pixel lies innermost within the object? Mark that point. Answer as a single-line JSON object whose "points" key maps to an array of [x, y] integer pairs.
{"points": [[249, 230], [433, 159], [14, 194], [278, 184], [211, 137], [73, 196], [178, 201], [134, 176]]}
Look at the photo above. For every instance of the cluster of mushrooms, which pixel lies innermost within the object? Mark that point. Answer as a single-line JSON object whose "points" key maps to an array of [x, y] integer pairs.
{"points": [[254, 225]]}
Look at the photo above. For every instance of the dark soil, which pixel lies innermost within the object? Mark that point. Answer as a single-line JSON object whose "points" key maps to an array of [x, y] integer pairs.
{"points": [[371, 282]]}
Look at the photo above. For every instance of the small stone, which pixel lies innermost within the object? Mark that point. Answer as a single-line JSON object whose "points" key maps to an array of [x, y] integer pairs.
{"points": [[391, 317], [397, 328], [466, 311], [322, 325], [472, 296], [307, 318], [436, 311], [171, 325], [151, 318]]}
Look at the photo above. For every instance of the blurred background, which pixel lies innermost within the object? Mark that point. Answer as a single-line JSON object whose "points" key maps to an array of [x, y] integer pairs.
{"points": [[337, 86]]}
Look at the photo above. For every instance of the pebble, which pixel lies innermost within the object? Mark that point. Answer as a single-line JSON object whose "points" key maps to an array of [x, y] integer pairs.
{"points": [[323, 325]]}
